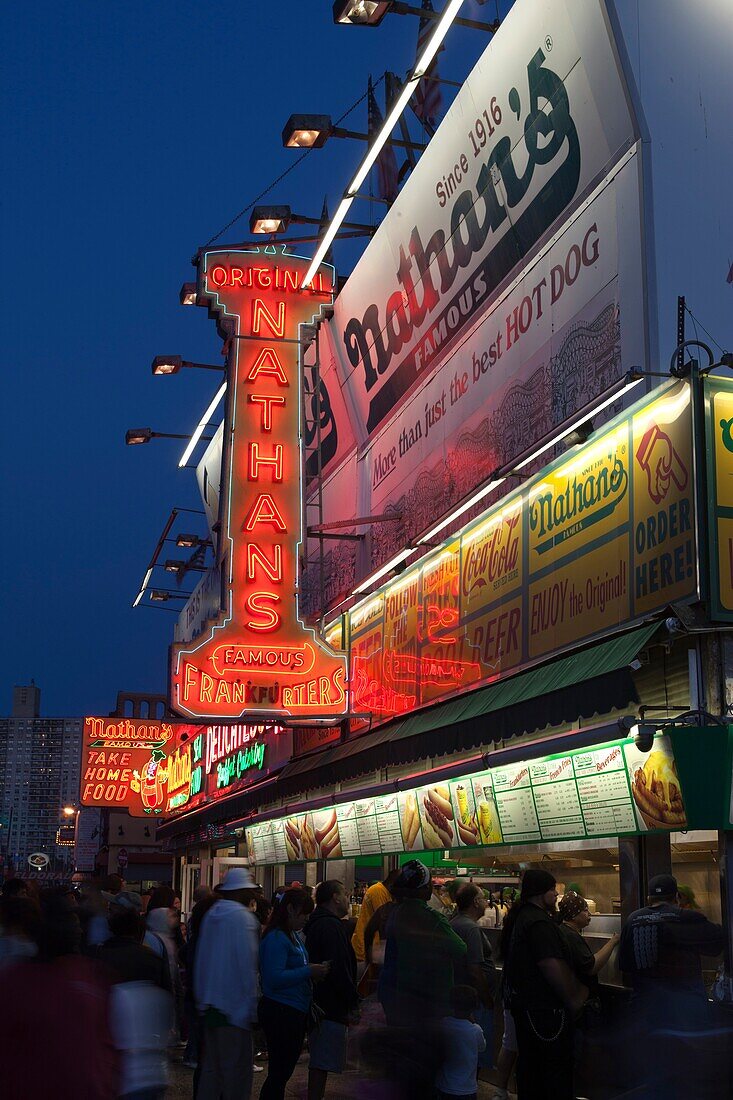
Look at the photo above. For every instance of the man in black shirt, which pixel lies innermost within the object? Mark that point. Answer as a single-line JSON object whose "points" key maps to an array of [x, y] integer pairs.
{"points": [[542, 992]]}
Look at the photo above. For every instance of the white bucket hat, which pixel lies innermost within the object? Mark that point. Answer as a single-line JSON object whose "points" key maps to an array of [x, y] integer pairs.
{"points": [[238, 878]]}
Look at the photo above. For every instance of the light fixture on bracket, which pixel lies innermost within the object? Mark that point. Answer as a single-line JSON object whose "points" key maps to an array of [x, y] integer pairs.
{"points": [[423, 63], [171, 364], [370, 13]]}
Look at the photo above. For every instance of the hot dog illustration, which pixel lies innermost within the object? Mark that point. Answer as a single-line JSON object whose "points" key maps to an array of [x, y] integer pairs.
{"points": [[437, 818], [292, 838], [327, 835], [409, 819]]}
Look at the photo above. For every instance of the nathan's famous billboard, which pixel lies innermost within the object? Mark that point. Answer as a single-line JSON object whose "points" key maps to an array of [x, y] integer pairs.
{"points": [[600, 538], [154, 767], [542, 118], [505, 288]]}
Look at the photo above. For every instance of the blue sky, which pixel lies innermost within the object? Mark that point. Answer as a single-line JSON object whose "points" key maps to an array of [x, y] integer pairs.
{"points": [[130, 135]]}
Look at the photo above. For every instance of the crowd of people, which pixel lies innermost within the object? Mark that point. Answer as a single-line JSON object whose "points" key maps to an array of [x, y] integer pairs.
{"points": [[101, 984]]}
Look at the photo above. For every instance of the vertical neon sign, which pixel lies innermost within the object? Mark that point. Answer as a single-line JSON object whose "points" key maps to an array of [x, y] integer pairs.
{"points": [[259, 658]]}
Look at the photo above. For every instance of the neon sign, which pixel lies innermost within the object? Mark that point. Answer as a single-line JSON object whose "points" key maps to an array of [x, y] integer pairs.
{"points": [[133, 764], [259, 658]]}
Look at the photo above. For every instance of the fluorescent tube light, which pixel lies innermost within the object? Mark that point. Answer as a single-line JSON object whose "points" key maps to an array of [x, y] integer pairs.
{"points": [[201, 425], [478, 495], [616, 391], [434, 43]]}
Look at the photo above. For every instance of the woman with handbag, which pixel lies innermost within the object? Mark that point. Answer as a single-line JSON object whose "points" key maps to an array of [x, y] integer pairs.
{"points": [[287, 991]]}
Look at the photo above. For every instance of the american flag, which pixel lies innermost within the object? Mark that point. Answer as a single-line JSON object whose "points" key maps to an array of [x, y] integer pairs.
{"points": [[387, 170], [428, 99]]}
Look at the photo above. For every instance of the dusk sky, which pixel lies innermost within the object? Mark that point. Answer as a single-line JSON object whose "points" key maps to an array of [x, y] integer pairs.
{"points": [[131, 135]]}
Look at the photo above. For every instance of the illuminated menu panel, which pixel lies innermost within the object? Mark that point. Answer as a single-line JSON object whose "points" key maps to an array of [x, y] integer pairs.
{"points": [[610, 790]]}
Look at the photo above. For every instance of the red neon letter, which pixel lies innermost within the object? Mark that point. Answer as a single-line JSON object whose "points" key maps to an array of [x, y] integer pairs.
{"points": [[267, 363], [255, 605], [261, 313], [267, 403], [264, 510], [256, 556], [275, 462]]}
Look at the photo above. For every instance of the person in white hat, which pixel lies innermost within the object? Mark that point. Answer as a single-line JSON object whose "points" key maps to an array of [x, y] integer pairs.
{"points": [[225, 989]]}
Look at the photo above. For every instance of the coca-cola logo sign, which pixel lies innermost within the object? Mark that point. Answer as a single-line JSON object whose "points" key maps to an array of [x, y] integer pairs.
{"points": [[491, 556]]}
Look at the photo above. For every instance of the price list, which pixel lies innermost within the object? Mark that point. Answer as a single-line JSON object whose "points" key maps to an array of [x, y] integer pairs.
{"points": [[388, 823], [348, 830], [366, 824], [515, 804], [556, 798], [604, 792], [278, 842]]}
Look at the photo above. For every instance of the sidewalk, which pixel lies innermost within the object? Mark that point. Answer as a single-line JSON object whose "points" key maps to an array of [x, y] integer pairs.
{"points": [[347, 1086]]}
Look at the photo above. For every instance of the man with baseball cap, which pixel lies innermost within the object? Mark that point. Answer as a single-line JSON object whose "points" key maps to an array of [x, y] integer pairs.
{"points": [[226, 990], [662, 943], [660, 954]]}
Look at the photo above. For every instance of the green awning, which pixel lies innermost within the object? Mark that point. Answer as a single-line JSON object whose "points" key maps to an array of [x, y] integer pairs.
{"points": [[553, 683]]}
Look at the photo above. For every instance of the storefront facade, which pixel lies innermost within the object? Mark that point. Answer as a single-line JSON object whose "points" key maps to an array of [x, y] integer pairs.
{"points": [[531, 608]]}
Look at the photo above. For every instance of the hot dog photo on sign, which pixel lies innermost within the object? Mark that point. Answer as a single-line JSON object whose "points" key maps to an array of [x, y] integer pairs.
{"points": [[326, 830], [410, 821], [437, 817], [292, 839]]}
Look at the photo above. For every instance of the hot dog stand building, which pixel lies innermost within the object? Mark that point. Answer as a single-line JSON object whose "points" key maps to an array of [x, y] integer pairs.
{"points": [[520, 652]]}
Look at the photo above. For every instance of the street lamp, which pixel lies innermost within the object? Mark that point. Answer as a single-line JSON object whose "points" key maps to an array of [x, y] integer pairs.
{"points": [[276, 219], [69, 811], [360, 13], [162, 595], [135, 436], [187, 542], [171, 364], [187, 294], [307, 131], [370, 13], [269, 219], [313, 131]]}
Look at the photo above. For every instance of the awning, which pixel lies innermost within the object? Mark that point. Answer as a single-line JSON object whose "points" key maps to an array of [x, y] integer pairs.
{"points": [[596, 680], [593, 681]]}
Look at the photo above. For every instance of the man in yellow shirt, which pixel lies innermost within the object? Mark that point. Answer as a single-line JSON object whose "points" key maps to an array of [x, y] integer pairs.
{"points": [[375, 897]]}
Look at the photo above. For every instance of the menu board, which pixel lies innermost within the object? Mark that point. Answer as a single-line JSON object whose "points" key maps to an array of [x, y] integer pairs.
{"points": [[613, 789]]}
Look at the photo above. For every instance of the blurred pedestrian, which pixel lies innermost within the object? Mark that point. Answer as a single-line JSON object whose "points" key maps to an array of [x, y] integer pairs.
{"points": [[660, 954], [477, 969], [544, 994], [287, 990], [226, 990], [464, 1044], [141, 1009], [20, 919], [420, 954], [203, 899], [162, 919], [55, 1042], [376, 895], [336, 996]]}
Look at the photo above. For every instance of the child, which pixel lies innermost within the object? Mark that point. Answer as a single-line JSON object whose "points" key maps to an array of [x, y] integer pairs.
{"points": [[464, 1041]]}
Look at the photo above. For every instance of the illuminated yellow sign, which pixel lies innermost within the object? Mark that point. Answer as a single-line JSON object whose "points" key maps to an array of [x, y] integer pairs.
{"points": [[603, 536]]}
